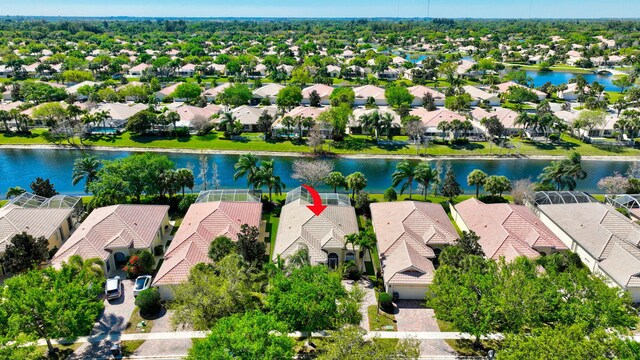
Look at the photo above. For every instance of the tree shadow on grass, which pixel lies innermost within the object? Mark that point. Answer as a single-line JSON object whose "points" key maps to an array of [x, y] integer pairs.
{"points": [[469, 146], [610, 148], [354, 144]]}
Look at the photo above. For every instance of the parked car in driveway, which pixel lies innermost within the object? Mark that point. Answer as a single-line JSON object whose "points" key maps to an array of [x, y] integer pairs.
{"points": [[113, 288], [142, 283]]}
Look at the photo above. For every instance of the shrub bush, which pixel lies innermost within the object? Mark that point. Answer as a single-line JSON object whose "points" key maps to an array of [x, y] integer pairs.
{"points": [[181, 131], [554, 137], [385, 301], [141, 263], [158, 250], [390, 195], [492, 199], [149, 302]]}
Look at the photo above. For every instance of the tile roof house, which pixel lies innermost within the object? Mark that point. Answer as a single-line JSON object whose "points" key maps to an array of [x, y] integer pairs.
{"points": [[303, 111], [606, 241], [506, 230], [363, 93], [188, 113], [410, 234], [138, 69], [115, 232], [269, 91], [323, 90], [431, 119], [323, 235], [212, 93], [119, 113], [53, 223], [479, 95], [166, 91], [506, 116], [249, 115], [201, 225], [419, 91]]}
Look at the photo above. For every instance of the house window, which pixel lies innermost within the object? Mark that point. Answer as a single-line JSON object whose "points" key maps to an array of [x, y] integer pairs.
{"points": [[333, 260], [350, 257]]}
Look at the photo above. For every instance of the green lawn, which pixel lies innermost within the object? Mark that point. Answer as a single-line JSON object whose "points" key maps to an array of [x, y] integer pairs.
{"points": [[132, 325], [357, 144], [272, 229], [129, 346], [379, 320]]}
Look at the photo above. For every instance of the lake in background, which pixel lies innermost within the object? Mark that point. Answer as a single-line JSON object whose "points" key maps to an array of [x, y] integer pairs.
{"points": [[18, 167]]}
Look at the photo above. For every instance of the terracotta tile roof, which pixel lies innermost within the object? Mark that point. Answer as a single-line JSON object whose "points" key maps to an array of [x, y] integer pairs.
{"points": [[367, 91], [507, 230], [504, 87], [203, 223], [506, 116], [35, 222], [420, 90], [406, 266], [425, 223], [323, 90], [594, 226], [106, 227], [214, 91], [300, 227], [433, 118]]}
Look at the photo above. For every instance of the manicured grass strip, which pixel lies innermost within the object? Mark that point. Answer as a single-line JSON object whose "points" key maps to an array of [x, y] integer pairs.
{"points": [[129, 346], [380, 320], [132, 326]]}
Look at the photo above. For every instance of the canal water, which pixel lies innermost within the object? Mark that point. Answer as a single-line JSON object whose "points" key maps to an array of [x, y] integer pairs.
{"points": [[18, 167]]}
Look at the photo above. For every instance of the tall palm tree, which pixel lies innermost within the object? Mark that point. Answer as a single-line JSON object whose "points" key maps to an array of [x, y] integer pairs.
{"points": [[185, 179], [386, 122], [573, 169], [86, 168], [14, 192], [371, 122], [5, 117], [299, 259], [444, 127], [266, 177], [247, 165], [425, 174], [405, 172], [173, 118], [288, 122]]}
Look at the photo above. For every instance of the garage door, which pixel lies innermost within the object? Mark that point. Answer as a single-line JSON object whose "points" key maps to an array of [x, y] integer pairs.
{"points": [[411, 292]]}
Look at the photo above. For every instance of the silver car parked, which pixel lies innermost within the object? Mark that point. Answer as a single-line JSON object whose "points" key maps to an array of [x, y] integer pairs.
{"points": [[113, 288]]}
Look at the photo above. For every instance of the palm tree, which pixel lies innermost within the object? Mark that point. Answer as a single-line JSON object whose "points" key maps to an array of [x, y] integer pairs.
{"points": [[356, 182], [425, 174], [406, 173], [288, 122], [299, 259], [477, 178], [386, 122], [86, 168], [94, 266], [573, 169], [247, 166], [5, 117], [185, 179], [173, 117], [371, 122], [15, 192], [336, 180], [444, 127], [266, 177]]}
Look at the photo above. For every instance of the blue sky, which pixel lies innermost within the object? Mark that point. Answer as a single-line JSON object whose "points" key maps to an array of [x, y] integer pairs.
{"points": [[327, 8]]}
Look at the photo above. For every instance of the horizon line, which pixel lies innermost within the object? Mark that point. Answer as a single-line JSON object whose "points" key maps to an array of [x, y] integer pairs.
{"points": [[308, 18]]}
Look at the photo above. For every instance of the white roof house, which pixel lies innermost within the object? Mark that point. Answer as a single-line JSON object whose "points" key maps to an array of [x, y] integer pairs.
{"points": [[419, 92], [363, 93], [479, 95], [323, 236], [606, 241], [269, 91], [323, 90]]}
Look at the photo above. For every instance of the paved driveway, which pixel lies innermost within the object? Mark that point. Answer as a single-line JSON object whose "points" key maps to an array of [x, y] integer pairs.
{"points": [[113, 319], [412, 315], [164, 347]]}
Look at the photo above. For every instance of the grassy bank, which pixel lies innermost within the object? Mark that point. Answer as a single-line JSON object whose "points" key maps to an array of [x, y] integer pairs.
{"points": [[357, 144]]}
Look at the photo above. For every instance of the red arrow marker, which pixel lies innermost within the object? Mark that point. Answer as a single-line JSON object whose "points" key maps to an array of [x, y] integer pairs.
{"points": [[317, 208]]}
